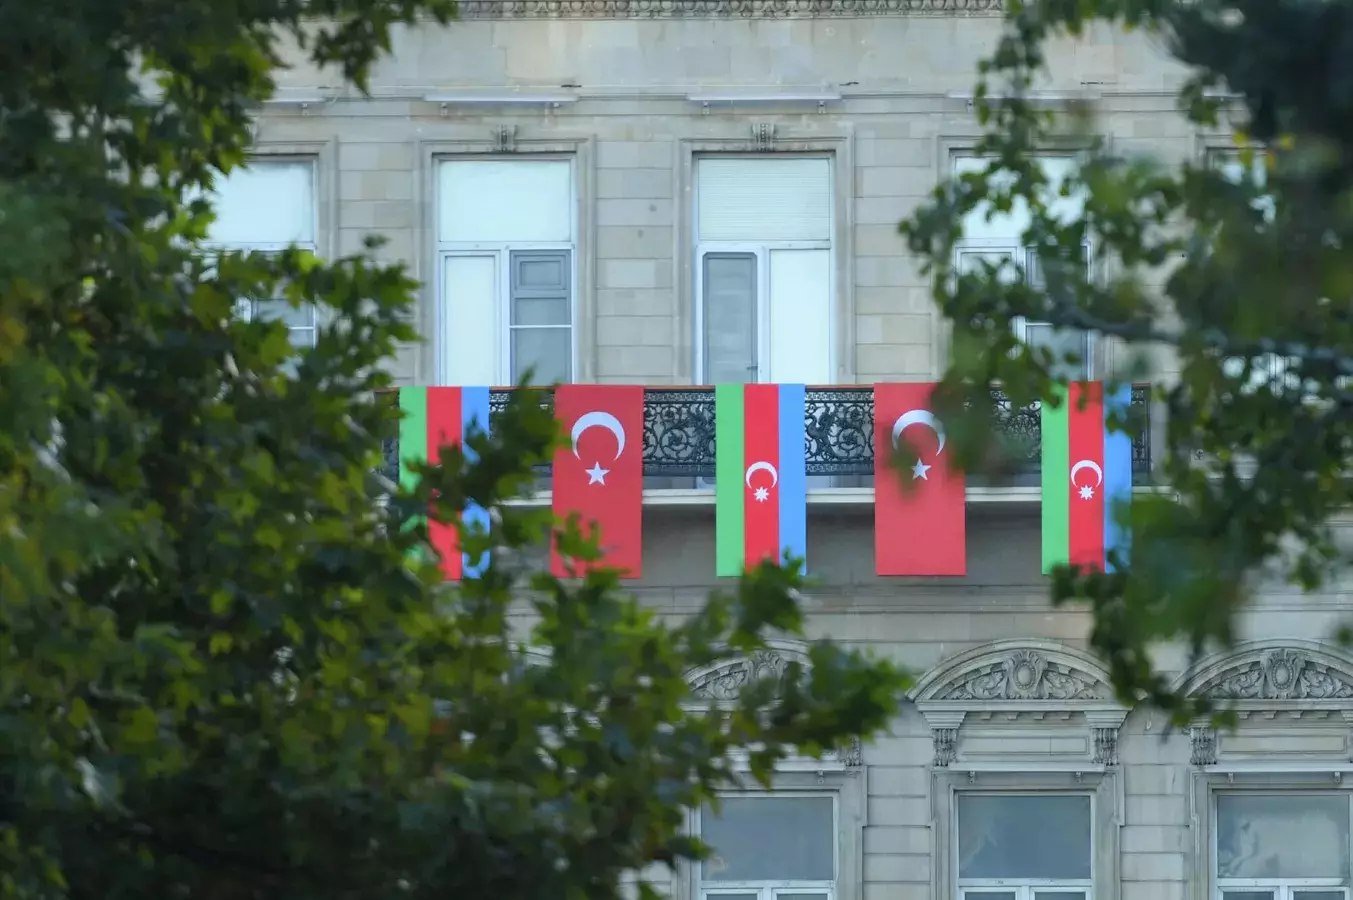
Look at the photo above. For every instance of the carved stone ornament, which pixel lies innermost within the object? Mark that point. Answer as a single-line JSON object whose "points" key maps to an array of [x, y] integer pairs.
{"points": [[946, 746], [1106, 746], [1025, 675], [1202, 745], [694, 9], [725, 680], [1275, 673]]}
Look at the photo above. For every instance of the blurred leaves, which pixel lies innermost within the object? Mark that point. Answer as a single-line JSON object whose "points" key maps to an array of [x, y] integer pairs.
{"points": [[1235, 274], [228, 666]]}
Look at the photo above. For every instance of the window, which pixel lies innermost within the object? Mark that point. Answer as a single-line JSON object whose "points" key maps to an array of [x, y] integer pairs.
{"points": [[1282, 846], [991, 241], [763, 269], [1024, 846], [266, 206], [770, 848], [505, 238]]}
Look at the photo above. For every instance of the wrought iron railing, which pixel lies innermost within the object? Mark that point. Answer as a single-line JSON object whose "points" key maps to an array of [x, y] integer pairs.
{"points": [[838, 429]]}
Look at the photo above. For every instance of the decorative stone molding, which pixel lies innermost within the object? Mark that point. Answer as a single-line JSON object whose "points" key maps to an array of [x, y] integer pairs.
{"points": [[718, 9], [725, 679], [505, 139], [1202, 745], [1293, 676], [763, 135], [1019, 680]]}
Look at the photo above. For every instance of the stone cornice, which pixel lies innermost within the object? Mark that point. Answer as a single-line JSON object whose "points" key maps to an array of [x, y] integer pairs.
{"points": [[714, 9]]}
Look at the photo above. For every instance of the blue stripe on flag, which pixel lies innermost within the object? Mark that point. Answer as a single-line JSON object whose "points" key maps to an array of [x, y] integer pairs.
{"points": [[474, 411], [1117, 475], [793, 483]]}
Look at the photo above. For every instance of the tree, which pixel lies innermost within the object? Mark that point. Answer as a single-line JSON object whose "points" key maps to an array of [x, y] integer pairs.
{"points": [[226, 670], [1241, 274]]}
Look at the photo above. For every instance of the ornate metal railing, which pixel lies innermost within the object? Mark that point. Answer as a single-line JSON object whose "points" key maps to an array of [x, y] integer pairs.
{"points": [[838, 427]]}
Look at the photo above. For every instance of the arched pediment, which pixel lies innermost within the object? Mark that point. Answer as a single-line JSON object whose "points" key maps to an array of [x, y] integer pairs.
{"points": [[1277, 672], [1016, 671], [725, 679]]}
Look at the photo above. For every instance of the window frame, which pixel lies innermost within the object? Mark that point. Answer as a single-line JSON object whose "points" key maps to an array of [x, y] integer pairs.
{"points": [[1023, 888], [762, 251], [1020, 254], [246, 308], [502, 251], [769, 889], [1282, 888]]}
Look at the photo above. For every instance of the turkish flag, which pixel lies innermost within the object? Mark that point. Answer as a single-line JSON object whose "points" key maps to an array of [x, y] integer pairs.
{"points": [[919, 529], [599, 474]]}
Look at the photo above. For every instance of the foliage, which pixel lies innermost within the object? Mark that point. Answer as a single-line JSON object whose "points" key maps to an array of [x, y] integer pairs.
{"points": [[1236, 283], [220, 674]]}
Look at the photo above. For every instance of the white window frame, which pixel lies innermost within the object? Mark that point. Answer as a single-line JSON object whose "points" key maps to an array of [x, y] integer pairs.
{"points": [[762, 251], [503, 275], [769, 890], [1019, 255], [1282, 888], [246, 308], [1023, 888]]}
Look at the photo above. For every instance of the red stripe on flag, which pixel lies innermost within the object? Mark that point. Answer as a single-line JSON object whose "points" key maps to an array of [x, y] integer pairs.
{"points": [[1085, 432], [920, 515], [444, 427], [599, 473], [761, 449]]}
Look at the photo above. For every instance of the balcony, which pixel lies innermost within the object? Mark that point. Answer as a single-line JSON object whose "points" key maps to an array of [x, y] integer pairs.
{"points": [[839, 433]]}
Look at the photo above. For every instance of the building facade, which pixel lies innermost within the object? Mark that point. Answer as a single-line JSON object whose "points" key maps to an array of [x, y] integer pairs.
{"points": [[681, 192]]}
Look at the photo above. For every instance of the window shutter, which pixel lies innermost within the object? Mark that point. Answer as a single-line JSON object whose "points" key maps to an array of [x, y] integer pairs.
{"points": [[505, 201], [764, 199], [268, 203]]}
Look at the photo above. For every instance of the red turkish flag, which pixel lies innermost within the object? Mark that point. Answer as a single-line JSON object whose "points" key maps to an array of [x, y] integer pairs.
{"points": [[599, 475], [920, 530]]}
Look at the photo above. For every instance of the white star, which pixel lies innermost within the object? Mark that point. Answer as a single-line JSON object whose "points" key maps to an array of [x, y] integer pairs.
{"points": [[760, 494], [596, 474], [1087, 492], [919, 471]]}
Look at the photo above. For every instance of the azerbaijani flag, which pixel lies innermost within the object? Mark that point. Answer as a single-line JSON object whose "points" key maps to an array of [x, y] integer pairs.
{"points": [[434, 416], [760, 483], [1087, 477]]}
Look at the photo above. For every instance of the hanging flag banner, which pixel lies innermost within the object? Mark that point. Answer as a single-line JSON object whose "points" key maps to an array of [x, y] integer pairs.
{"points": [[760, 484], [1087, 476], [432, 418], [599, 475], [920, 515]]}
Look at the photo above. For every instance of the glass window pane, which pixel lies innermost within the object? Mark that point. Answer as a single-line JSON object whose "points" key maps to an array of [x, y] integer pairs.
{"points": [[1061, 343], [770, 839], [730, 318], [799, 895], [1317, 895], [1282, 836], [1059, 895], [988, 895], [547, 350], [302, 316], [1247, 895], [538, 272], [265, 202], [725, 896], [540, 311], [1023, 836]]}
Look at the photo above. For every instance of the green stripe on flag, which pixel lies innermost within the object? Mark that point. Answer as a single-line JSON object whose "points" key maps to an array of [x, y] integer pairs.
{"points": [[730, 539], [1056, 440], [413, 432]]}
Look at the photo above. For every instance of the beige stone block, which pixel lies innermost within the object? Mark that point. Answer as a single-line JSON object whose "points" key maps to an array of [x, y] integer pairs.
{"points": [[1153, 890], [913, 811], [375, 185], [882, 210], [895, 838], [895, 867], [641, 364], [895, 152], [1155, 839], [634, 184], [634, 273], [1155, 810], [653, 242], [897, 781], [893, 329], [894, 181], [896, 891], [634, 154], [637, 331], [355, 156], [892, 300], [879, 240], [888, 361], [1153, 866], [882, 271], [635, 212], [1140, 780], [634, 302]]}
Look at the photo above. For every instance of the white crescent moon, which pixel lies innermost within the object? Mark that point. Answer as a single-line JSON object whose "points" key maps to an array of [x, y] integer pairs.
{"points": [[1088, 464], [919, 417], [599, 419], [762, 466]]}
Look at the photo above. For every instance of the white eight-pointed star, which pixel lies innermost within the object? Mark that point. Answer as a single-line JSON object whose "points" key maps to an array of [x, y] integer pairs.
{"points": [[760, 494], [1087, 492], [919, 471], [596, 474]]}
